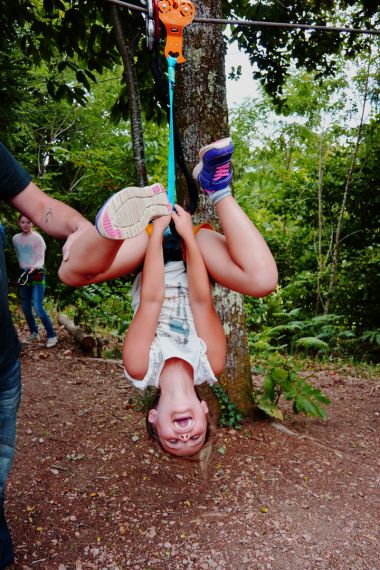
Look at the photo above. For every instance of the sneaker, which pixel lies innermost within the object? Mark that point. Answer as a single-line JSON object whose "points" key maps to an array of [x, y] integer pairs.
{"points": [[213, 172], [127, 213], [32, 337], [52, 341]]}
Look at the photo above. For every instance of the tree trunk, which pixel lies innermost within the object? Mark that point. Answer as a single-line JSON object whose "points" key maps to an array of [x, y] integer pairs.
{"points": [[125, 51], [202, 116], [337, 241], [320, 224]]}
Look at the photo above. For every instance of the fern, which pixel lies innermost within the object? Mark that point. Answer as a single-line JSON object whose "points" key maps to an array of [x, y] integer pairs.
{"points": [[373, 337], [312, 342]]}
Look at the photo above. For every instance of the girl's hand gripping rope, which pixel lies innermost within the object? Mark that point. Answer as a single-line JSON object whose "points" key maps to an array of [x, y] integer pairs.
{"points": [[183, 223]]}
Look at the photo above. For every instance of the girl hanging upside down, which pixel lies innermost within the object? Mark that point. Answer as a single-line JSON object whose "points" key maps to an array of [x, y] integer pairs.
{"points": [[176, 340]]}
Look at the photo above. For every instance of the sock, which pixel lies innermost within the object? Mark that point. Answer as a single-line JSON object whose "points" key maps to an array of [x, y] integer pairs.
{"points": [[217, 196]]}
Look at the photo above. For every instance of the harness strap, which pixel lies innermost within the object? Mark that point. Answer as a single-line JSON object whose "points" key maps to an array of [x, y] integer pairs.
{"points": [[162, 94], [172, 62]]}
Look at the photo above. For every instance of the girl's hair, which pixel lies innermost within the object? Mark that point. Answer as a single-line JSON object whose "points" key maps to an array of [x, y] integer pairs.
{"points": [[22, 216], [152, 432]]}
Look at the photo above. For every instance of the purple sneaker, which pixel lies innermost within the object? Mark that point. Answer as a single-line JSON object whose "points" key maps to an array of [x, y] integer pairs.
{"points": [[214, 172]]}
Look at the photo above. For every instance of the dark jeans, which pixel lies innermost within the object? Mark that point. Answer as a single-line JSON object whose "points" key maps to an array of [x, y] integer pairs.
{"points": [[34, 294], [10, 395]]}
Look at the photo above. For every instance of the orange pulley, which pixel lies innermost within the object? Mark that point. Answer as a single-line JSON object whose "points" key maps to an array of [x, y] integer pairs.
{"points": [[175, 16]]}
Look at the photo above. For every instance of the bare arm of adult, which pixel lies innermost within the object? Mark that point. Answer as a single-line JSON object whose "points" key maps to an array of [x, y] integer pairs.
{"points": [[142, 330], [50, 215], [207, 322]]}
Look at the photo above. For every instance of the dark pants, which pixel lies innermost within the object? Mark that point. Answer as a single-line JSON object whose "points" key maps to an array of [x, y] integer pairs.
{"points": [[10, 395], [33, 294]]}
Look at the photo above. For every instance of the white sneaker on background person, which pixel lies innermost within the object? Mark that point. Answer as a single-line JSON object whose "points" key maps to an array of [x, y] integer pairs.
{"points": [[52, 341]]}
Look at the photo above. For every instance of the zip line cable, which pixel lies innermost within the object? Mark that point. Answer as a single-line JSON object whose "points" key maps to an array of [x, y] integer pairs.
{"points": [[259, 24]]}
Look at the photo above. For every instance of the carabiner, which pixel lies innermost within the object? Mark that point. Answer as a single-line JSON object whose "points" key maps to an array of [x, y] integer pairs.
{"points": [[152, 24]]}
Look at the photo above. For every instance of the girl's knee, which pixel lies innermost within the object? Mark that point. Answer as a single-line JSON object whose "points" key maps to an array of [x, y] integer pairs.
{"points": [[261, 286], [73, 279]]}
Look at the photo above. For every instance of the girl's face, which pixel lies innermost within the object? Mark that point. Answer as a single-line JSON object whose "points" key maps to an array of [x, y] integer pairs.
{"points": [[25, 225], [181, 426]]}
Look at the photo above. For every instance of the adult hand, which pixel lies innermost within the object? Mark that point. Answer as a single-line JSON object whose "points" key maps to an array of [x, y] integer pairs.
{"points": [[82, 228]]}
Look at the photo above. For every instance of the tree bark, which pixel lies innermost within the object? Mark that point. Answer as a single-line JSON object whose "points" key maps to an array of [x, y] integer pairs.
{"points": [[339, 226], [320, 261], [125, 51], [202, 116]]}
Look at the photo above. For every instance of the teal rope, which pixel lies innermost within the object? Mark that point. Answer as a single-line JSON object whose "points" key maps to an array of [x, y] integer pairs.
{"points": [[172, 62]]}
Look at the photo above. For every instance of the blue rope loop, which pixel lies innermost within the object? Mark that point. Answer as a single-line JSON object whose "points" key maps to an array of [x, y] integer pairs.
{"points": [[172, 62]]}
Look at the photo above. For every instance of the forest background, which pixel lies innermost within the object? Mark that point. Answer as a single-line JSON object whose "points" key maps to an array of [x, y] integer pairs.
{"points": [[305, 169]]}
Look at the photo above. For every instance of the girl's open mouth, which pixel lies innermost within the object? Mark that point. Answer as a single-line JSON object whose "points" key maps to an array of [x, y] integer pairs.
{"points": [[183, 423]]}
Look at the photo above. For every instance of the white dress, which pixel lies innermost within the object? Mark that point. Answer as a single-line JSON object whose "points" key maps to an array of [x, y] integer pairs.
{"points": [[176, 335]]}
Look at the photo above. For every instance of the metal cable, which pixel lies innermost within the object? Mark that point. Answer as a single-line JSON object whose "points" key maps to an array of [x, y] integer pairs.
{"points": [[259, 24]]}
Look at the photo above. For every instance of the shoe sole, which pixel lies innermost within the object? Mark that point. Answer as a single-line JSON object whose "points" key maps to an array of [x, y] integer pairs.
{"points": [[128, 212], [218, 145]]}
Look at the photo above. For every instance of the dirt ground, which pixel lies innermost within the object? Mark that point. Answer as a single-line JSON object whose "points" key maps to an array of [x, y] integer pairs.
{"points": [[88, 490]]}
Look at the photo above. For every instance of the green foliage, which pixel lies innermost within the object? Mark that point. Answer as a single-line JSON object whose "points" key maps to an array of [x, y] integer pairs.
{"points": [[13, 303], [79, 37], [282, 378], [102, 307], [145, 399], [271, 328], [286, 159], [230, 416], [320, 335], [312, 342], [373, 337], [273, 51]]}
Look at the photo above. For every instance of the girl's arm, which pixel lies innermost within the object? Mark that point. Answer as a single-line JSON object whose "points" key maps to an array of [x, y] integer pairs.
{"points": [[142, 330], [207, 322]]}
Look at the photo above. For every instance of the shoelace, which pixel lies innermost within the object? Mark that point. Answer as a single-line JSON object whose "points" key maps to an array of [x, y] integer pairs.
{"points": [[221, 171]]}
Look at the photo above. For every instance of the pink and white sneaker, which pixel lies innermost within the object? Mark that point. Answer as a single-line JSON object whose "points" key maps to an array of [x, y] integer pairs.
{"points": [[128, 212]]}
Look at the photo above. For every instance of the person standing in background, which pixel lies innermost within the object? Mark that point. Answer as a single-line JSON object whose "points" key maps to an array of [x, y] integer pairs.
{"points": [[30, 251]]}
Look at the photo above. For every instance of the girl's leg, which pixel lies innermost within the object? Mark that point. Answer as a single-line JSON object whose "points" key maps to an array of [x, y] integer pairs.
{"points": [[93, 258], [38, 291], [240, 259], [25, 295], [126, 214]]}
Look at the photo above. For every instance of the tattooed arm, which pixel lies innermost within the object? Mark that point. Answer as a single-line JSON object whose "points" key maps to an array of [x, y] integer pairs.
{"points": [[50, 215]]}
